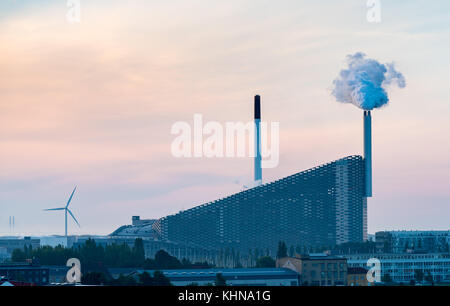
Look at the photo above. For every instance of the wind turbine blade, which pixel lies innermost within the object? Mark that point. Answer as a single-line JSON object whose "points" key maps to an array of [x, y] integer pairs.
{"points": [[62, 208], [70, 199], [73, 217]]}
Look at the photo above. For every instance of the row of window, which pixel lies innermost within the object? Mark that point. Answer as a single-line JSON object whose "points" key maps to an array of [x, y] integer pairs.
{"points": [[328, 274]]}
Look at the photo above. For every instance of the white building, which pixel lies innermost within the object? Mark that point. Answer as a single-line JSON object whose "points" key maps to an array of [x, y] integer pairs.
{"points": [[402, 267]]}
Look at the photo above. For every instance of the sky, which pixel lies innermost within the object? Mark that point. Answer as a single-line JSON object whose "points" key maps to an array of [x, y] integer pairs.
{"points": [[91, 104]]}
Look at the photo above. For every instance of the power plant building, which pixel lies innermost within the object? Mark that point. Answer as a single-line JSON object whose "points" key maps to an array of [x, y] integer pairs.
{"points": [[322, 206]]}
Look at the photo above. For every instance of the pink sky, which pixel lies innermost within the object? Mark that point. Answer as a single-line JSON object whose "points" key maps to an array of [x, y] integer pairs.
{"points": [[92, 104]]}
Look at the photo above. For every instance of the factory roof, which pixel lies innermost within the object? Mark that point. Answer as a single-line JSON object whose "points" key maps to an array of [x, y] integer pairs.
{"points": [[228, 274], [134, 230]]}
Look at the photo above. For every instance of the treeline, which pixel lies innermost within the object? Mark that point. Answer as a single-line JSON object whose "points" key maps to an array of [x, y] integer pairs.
{"points": [[95, 257], [144, 279]]}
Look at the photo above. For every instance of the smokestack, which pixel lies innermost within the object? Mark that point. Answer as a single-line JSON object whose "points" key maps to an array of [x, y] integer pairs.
{"points": [[258, 169], [368, 153]]}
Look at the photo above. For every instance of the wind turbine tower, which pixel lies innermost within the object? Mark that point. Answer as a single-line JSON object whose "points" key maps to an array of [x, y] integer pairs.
{"points": [[66, 210]]}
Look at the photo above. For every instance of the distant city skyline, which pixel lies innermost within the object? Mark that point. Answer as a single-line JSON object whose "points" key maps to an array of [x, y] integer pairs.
{"points": [[91, 104]]}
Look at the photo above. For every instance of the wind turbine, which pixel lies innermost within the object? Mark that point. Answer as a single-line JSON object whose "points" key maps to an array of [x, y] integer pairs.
{"points": [[67, 210]]}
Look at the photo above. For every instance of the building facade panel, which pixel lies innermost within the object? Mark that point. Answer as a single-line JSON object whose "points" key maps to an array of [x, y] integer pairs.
{"points": [[324, 205]]}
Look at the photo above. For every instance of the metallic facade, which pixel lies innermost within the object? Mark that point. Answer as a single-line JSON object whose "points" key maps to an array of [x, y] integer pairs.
{"points": [[321, 206], [258, 159], [368, 152]]}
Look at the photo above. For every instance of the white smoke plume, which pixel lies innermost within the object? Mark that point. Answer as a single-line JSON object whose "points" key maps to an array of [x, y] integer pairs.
{"points": [[364, 83]]}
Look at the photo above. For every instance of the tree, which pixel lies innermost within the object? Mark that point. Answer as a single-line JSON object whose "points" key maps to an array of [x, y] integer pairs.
{"points": [[138, 252], [159, 279], [186, 263], [124, 281], [18, 255], [418, 275], [220, 280], [163, 260], [145, 279], [265, 262], [282, 250], [92, 256], [119, 256], [94, 278], [149, 264], [291, 251]]}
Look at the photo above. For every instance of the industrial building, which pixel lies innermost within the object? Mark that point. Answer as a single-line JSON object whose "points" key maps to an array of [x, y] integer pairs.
{"points": [[357, 277], [321, 206], [30, 273], [233, 277], [325, 205], [317, 269]]}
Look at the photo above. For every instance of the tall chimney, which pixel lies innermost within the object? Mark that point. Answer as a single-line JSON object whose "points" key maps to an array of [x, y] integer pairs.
{"points": [[368, 153], [258, 169]]}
